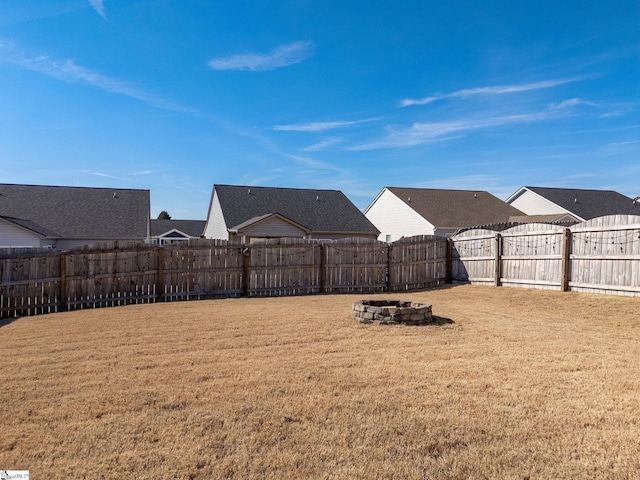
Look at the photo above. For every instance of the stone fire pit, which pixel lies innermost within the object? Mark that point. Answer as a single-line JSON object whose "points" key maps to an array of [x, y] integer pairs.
{"points": [[392, 312]]}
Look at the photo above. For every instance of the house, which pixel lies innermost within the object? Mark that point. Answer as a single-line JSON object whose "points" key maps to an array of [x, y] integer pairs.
{"points": [[572, 202], [66, 217], [405, 212], [251, 214], [164, 232]]}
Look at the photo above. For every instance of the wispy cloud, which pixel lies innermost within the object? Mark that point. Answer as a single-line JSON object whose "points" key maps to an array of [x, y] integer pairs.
{"points": [[419, 133], [319, 126], [6, 46], [322, 145], [614, 149], [494, 90], [21, 12], [619, 109], [281, 56], [67, 71], [121, 176], [466, 182], [98, 6], [100, 174]]}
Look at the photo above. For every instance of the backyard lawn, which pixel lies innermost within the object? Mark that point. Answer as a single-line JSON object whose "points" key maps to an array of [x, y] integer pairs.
{"points": [[507, 384]]}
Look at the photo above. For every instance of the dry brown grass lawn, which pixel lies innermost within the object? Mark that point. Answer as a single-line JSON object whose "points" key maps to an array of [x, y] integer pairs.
{"points": [[520, 384]]}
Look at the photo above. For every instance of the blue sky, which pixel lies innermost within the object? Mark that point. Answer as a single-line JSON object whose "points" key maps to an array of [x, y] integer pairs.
{"points": [[174, 96]]}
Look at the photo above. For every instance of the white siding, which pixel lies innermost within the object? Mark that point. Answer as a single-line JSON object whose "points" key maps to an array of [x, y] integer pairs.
{"points": [[395, 218], [337, 236], [216, 227], [13, 236], [272, 227], [70, 243], [533, 204]]}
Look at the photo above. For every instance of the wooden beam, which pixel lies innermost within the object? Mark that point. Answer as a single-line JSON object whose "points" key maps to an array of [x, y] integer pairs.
{"points": [[160, 275], [246, 263], [498, 262], [566, 256], [449, 261], [63, 282], [390, 278], [323, 267]]}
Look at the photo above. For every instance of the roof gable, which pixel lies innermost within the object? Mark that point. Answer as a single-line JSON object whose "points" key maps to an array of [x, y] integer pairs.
{"points": [[252, 222], [190, 228], [78, 212], [318, 210], [589, 204], [456, 208], [30, 226]]}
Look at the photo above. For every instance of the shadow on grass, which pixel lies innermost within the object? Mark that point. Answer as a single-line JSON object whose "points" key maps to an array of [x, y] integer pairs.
{"points": [[6, 321], [436, 320]]}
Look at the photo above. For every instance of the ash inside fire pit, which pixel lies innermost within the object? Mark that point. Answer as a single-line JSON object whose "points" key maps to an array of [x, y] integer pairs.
{"points": [[392, 312]]}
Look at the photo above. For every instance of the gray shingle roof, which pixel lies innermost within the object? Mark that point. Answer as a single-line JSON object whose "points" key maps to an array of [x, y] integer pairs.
{"points": [[456, 208], [193, 228], [29, 225], [78, 212], [318, 210], [589, 204]]}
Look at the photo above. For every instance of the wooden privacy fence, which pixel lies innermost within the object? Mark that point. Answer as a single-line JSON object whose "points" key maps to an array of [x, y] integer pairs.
{"points": [[35, 281], [601, 255]]}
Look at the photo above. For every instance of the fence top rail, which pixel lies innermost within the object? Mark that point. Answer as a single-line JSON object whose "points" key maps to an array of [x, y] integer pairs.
{"points": [[106, 248], [608, 228], [483, 236], [9, 253], [419, 239], [474, 233], [531, 233]]}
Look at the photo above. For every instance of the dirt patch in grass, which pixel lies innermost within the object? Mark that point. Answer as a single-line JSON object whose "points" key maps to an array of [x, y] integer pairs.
{"points": [[509, 384]]}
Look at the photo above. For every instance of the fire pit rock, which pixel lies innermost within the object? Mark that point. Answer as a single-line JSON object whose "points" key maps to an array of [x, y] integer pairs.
{"points": [[392, 312]]}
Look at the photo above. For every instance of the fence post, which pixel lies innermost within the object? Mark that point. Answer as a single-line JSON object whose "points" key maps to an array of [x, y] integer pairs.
{"points": [[448, 274], [246, 263], [115, 290], [390, 278], [160, 275], [323, 267], [63, 282], [498, 260], [566, 256]]}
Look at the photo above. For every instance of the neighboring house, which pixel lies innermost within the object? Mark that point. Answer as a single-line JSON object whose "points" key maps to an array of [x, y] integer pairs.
{"points": [[251, 214], [580, 204], [164, 232], [405, 212], [66, 217]]}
